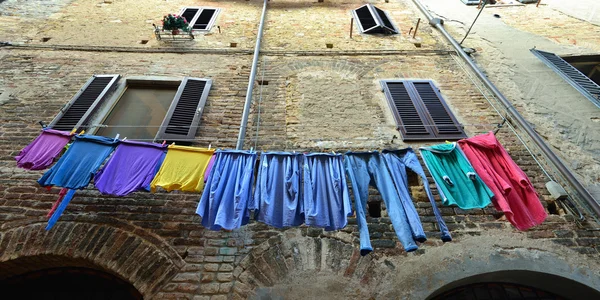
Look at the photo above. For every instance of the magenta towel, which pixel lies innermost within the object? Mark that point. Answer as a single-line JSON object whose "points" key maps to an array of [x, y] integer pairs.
{"points": [[131, 167], [40, 153], [513, 192]]}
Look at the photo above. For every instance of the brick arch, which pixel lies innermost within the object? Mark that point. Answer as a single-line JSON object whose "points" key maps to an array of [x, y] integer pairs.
{"points": [[120, 249], [278, 258], [339, 65]]}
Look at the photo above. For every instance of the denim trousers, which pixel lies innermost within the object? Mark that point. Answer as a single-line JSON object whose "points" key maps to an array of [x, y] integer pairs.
{"points": [[364, 168]]}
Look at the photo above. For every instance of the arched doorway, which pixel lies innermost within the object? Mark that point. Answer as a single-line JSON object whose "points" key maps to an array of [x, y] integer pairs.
{"points": [[68, 283], [515, 285]]}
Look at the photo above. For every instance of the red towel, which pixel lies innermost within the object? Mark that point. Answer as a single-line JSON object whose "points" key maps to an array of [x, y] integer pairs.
{"points": [[513, 192]]}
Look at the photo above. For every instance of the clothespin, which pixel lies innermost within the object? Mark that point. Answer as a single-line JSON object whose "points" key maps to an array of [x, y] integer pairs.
{"points": [[116, 137], [173, 144], [82, 132], [448, 142], [251, 149], [209, 145], [333, 152], [500, 125], [43, 124], [164, 142], [124, 138], [73, 131]]}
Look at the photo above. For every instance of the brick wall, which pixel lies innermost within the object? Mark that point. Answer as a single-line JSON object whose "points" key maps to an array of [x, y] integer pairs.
{"points": [[312, 102]]}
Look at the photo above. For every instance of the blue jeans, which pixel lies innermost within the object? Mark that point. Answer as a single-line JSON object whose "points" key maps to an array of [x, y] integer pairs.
{"points": [[397, 161], [364, 168]]}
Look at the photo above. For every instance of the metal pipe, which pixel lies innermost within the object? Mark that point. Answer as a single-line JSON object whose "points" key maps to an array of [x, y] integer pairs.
{"points": [[515, 115], [244, 123]]}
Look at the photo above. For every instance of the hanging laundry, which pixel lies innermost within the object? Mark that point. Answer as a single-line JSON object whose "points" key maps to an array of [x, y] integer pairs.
{"points": [[224, 202], [41, 153], [75, 168], [397, 162], [455, 178], [513, 192], [131, 168], [277, 198], [182, 169], [325, 191], [211, 162], [368, 168]]}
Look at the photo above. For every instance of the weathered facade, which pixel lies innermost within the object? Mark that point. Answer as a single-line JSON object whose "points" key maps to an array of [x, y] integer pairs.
{"points": [[317, 89]]}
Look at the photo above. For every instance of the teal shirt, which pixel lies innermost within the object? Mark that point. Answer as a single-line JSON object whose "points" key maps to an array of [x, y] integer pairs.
{"points": [[455, 178]]}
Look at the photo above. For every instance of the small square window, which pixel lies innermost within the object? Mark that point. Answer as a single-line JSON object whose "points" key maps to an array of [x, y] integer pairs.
{"points": [[200, 18], [371, 19]]}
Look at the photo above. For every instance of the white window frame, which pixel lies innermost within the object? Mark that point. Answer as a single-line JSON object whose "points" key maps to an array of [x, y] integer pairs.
{"points": [[200, 9]]}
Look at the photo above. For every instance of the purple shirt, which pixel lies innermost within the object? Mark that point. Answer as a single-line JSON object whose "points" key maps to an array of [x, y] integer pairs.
{"points": [[131, 167], [41, 153]]}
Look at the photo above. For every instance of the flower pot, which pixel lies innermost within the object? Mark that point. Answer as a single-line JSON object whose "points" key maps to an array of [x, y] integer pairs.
{"points": [[175, 31]]}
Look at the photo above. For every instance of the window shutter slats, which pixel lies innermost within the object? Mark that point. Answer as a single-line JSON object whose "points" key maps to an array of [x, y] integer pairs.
{"points": [[183, 117], [85, 102], [411, 122], [574, 77], [420, 111], [437, 111], [200, 18]]}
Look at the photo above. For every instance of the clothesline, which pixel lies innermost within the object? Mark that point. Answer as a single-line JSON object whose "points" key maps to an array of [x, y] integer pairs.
{"points": [[296, 125]]}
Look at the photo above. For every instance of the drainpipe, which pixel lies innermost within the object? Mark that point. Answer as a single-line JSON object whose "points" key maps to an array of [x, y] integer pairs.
{"points": [[516, 116], [244, 123]]}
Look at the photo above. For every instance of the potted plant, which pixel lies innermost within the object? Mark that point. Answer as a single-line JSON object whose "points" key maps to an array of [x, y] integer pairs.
{"points": [[174, 23]]}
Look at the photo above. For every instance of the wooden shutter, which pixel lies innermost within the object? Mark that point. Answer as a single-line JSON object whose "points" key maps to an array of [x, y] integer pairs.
{"points": [[371, 19], [185, 112], [420, 111], [574, 77], [81, 107]]}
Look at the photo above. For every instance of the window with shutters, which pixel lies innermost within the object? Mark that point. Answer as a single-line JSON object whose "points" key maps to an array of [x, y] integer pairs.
{"points": [[200, 18], [580, 72], [420, 111], [139, 108], [371, 19]]}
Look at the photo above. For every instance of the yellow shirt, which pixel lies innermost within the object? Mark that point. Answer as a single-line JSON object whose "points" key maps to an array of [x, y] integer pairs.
{"points": [[183, 169]]}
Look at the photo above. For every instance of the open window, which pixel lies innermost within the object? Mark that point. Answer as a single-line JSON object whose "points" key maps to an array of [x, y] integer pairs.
{"points": [[420, 111], [139, 108], [371, 19], [572, 72], [200, 18]]}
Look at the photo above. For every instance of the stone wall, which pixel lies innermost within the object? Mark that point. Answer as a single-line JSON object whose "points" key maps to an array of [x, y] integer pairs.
{"points": [[318, 101]]}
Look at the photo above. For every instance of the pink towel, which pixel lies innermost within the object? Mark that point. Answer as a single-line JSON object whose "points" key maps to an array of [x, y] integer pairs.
{"points": [[513, 192]]}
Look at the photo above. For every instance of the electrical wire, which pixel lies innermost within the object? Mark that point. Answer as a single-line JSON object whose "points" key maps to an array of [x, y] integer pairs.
{"points": [[479, 13]]}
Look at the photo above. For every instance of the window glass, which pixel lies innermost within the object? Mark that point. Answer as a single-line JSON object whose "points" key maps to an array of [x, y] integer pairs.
{"points": [[138, 113]]}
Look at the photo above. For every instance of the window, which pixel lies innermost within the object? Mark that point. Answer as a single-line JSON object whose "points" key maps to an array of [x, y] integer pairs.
{"points": [[420, 111], [572, 75], [142, 108], [371, 19], [200, 18]]}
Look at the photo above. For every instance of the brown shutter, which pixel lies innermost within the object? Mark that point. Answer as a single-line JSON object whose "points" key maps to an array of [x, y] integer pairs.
{"points": [[81, 107], [410, 121], [441, 117], [420, 111], [185, 112]]}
